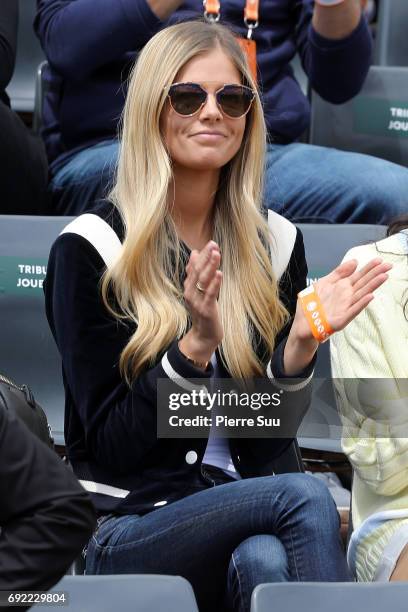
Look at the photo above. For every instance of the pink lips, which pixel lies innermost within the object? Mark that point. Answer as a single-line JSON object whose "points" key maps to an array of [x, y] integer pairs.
{"points": [[209, 136]]}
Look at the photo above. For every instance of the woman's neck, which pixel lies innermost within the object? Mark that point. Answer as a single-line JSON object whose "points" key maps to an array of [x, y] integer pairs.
{"points": [[192, 195]]}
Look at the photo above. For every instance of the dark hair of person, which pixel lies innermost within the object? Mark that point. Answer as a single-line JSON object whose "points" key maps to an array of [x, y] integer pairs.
{"points": [[397, 225]]}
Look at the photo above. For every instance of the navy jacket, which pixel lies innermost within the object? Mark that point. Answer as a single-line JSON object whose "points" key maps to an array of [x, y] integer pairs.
{"points": [[110, 429], [91, 46]]}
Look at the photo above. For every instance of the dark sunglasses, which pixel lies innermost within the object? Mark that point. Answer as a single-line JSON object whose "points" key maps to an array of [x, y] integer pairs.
{"points": [[187, 99]]}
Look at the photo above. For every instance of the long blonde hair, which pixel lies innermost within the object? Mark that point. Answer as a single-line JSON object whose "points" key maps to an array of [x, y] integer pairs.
{"points": [[145, 280]]}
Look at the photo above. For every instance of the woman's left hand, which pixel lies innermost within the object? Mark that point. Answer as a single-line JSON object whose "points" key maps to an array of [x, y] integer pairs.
{"points": [[344, 293]]}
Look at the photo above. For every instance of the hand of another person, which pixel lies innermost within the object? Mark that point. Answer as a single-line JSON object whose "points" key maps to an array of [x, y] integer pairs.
{"points": [[201, 288], [344, 293]]}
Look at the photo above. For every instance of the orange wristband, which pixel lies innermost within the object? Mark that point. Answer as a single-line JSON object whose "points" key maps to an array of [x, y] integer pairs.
{"points": [[314, 313]]}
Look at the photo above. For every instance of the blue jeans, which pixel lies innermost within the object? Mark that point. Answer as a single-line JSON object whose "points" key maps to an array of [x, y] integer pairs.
{"points": [[304, 183], [84, 179], [229, 538]]}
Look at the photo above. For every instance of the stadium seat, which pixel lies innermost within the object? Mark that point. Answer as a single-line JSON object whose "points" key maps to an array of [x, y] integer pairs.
{"points": [[325, 247], [375, 122], [392, 39], [335, 596], [300, 74], [39, 95], [29, 55], [28, 354], [125, 593]]}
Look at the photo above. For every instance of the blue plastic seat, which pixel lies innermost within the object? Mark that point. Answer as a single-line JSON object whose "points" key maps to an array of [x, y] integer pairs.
{"points": [[28, 353], [333, 596], [124, 593], [375, 122]]}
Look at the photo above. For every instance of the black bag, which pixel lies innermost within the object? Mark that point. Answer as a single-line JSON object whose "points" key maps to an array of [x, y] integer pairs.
{"points": [[20, 401]]}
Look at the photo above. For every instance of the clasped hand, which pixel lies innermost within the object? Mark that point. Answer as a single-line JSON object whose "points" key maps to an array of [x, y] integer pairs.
{"points": [[201, 288]]}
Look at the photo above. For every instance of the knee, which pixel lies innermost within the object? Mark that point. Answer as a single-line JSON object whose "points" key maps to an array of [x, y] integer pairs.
{"points": [[263, 553], [258, 559], [313, 498], [379, 193]]}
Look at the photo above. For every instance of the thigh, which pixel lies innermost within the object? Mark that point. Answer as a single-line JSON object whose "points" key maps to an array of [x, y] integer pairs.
{"points": [[307, 183], [196, 536], [83, 180]]}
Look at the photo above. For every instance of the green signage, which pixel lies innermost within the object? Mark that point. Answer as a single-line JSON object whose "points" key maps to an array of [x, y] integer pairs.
{"points": [[380, 117], [22, 275], [314, 275]]}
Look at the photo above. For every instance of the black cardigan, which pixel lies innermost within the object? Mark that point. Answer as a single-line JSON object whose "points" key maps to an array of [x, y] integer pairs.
{"points": [[110, 429]]}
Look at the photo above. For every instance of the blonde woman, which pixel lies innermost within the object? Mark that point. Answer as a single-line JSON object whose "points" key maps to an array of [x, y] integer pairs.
{"points": [[195, 284]]}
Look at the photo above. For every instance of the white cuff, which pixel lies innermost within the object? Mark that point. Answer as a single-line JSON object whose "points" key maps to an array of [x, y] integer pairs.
{"points": [[287, 387], [177, 378], [328, 2]]}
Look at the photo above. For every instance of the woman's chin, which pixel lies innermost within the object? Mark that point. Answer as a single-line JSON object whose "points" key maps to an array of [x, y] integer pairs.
{"points": [[203, 163]]}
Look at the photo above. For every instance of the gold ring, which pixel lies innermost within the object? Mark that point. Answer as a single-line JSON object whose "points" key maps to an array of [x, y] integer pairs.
{"points": [[199, 288]]}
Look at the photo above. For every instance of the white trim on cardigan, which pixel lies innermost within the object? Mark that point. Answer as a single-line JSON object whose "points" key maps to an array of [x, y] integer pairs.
{"points": [[99, 233], [283, 238]]}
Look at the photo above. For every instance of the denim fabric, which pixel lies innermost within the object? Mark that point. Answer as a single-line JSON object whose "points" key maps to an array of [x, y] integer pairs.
{"points": [[303, 182], [227, 539], [310, 184], [84, 179], [258, 559]]}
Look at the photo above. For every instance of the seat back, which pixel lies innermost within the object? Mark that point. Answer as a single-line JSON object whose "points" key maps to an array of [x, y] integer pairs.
{"points": [[392, 39], [28, 353], [127, 593], [300, 74], [29, 55], [375, 122], [333, 596], [325, 247]]}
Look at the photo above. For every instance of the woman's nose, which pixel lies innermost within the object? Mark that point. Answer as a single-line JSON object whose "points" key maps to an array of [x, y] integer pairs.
{"points": [[210, 110]]}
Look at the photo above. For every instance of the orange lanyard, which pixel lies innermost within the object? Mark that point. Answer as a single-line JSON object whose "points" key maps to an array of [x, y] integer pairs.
{"points": [[251, 13]]}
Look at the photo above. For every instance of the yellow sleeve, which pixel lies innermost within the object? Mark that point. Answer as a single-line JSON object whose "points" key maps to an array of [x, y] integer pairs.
{"points": [[372, 402]]}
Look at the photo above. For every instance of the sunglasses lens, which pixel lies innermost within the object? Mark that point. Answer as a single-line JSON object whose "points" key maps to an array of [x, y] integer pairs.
{"points": [[235, 100], [187, 98]]}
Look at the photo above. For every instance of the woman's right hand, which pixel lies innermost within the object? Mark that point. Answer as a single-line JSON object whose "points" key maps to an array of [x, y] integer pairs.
{"points": [[206, 330]]}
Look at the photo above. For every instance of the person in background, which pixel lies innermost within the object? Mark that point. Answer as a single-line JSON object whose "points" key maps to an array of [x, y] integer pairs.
{"points": [[180, 276], [23, 160], [370, 370], [89, 69], [46, 517]]}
